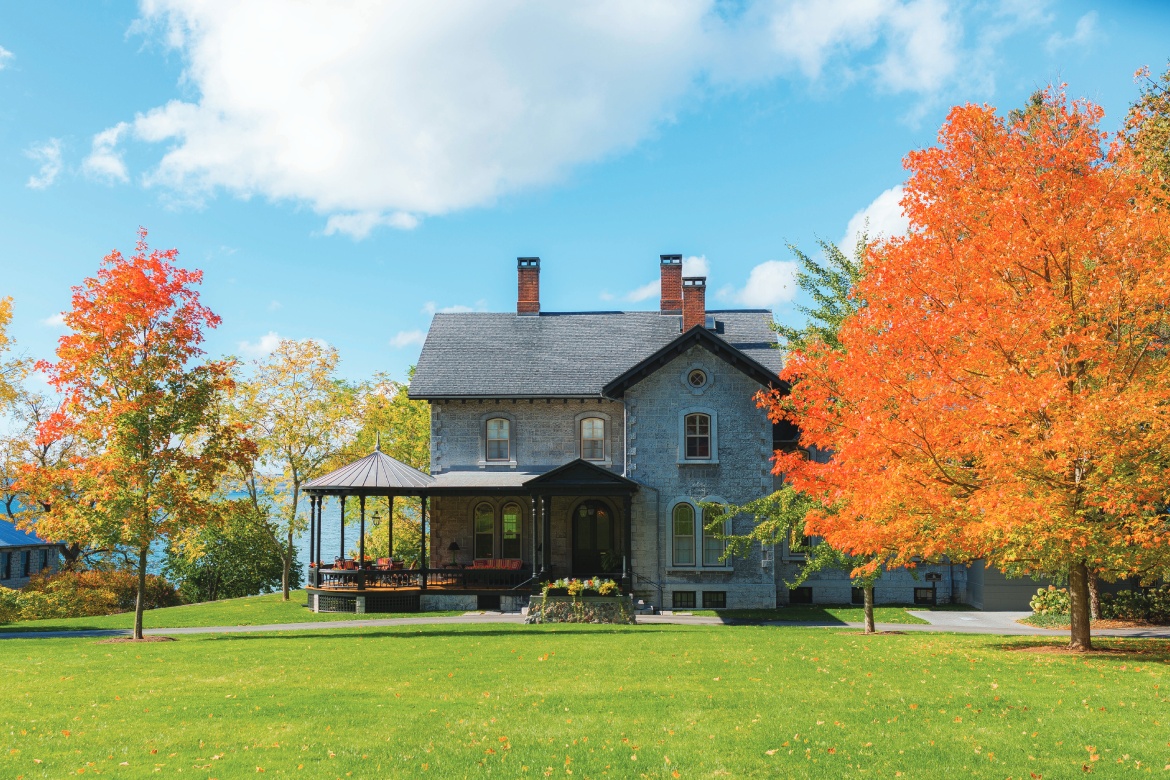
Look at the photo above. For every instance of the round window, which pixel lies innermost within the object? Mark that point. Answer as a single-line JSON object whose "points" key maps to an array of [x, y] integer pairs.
{"points": [[697, 378]]}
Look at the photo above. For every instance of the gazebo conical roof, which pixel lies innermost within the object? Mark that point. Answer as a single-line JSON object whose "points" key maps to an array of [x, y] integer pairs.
{"points": [[377, 474]]}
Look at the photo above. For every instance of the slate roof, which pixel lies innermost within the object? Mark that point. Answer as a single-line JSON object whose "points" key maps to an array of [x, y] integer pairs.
{"points": [[376, 473], [10, 536], [573, 354]]}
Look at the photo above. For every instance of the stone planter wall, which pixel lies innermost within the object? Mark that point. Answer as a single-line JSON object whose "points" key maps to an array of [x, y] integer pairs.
{"points": [[566, 609]]}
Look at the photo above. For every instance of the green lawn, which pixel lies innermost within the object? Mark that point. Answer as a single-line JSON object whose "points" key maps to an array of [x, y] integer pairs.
{"points": [[815, 613], [251, 611], [657, 701]]}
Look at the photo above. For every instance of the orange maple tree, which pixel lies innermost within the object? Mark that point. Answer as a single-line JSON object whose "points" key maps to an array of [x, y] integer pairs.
{"points": [[151, 412], [1005, 391]]}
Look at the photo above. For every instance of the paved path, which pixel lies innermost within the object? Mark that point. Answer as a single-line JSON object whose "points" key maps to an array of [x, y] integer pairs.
{"points": [[995, 623]]}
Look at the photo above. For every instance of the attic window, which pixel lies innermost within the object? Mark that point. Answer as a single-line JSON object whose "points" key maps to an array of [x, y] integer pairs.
{"points": [[697, 378]]}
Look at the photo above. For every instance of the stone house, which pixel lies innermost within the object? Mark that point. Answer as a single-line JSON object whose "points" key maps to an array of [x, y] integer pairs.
{"points": [[586, 443], [23, 554]]}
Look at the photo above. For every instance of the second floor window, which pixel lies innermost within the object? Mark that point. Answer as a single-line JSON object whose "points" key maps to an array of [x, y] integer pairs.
{"points": [[593, 438], [499, 439], [698, 435]]}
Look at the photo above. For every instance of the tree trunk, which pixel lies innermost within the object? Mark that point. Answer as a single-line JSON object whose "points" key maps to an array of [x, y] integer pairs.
{"points": [[1094, 595], [286, 559], [140, 602], [869, 627], [1078, 607]]}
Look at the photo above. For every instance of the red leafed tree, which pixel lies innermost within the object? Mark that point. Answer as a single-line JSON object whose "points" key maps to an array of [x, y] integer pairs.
{"points": [[1005, 391], [135, 389]]}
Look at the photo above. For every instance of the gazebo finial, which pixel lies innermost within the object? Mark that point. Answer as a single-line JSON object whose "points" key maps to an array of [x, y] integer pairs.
{"points": [[378, 441]]}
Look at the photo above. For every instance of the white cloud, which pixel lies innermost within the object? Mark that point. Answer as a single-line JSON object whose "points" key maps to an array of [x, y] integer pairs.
{"points": [[105, 160], [48, 155], [430, 308], [55, 321], [382, 114], [275, 305], [648, 290], [696, 266], [407, 338], [5, 57], [885, 217], [769, 284], [1083, 34], [358, 226], [262, 347]]}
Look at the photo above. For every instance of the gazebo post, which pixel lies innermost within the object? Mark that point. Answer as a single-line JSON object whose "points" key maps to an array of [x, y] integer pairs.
{"points": [[312, 534], [342, 555], [390, 528], [320, 506], [362, 538]]}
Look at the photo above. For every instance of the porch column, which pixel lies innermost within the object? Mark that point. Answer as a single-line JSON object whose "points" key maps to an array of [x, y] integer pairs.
{"points": [[628, 523], [532, 500], [422, 537], [546, 531]]}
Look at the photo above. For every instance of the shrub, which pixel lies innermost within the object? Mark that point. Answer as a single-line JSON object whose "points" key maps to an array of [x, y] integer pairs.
{"points": [[90, 593], [1050, 601], [1158, 604], [1124, 605], [9, 605]]}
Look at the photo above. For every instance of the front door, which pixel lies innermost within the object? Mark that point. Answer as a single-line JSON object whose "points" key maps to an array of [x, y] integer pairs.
{"points": [[594, 542]]}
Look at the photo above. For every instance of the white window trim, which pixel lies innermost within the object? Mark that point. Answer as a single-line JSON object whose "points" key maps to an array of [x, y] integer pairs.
{"points": [[696, 536], [482, 460], [683, 460], [606, 445]]}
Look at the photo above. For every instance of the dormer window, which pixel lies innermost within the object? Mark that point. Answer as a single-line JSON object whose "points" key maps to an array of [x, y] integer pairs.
{"points": [[593, 438], [698, 436], [499, 439]]}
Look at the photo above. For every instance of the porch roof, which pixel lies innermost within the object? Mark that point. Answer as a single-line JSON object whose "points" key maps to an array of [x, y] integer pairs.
{"points": [[575, 478]]}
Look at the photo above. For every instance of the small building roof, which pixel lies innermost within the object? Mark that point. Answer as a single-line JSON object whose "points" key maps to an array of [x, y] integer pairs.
{"points": [[571, 355], [11, 536], [376, 474]]}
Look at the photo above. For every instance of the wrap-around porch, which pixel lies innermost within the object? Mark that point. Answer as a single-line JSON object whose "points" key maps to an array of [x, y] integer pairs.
{"points": [[489, 537]]}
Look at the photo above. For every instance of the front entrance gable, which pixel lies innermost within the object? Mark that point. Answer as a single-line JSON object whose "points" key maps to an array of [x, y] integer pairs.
{"points": [[580, 478]]}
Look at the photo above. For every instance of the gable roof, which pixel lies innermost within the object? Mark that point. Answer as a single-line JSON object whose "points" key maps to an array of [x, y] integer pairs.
{"points": [[572, 355], [696, 336], [11, 536]]}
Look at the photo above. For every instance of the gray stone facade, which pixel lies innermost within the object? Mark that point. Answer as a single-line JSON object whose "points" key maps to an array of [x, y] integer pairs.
{"points": [[18, 563]]}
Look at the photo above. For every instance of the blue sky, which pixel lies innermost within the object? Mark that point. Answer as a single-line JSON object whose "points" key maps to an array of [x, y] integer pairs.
{"points": [[343, 170]]}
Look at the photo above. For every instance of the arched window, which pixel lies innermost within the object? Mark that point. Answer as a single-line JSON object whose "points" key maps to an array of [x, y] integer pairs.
{"points": [[683, 528], [510, 531], [485, 531], [713, 545], [593, 438], [698, 435], [499, 439]]}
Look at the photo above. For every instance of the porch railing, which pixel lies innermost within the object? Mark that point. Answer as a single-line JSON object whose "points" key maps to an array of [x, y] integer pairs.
{"points": [[440, 579]]}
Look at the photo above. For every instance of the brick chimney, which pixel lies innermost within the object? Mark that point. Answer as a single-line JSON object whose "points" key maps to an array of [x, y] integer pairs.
{"points": [[528, 283], [671, 266], [694, 302]]}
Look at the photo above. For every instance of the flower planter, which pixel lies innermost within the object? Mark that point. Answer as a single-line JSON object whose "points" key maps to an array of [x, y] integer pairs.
{"points": [[589, 594], [558, 592], [582, 609]]}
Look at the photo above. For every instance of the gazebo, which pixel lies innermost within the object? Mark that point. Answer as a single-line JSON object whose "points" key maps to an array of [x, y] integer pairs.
{"points": [[360, 585]]}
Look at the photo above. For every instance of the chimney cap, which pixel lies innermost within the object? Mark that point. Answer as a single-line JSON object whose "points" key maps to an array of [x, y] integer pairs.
{"points": [[694, 281], [528, 262], [671, 259]]}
